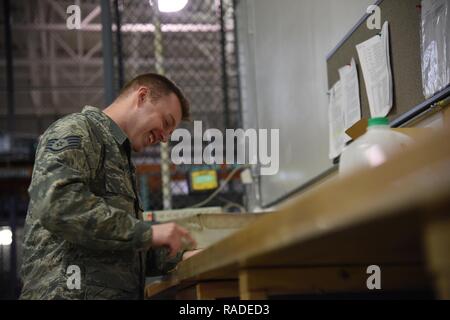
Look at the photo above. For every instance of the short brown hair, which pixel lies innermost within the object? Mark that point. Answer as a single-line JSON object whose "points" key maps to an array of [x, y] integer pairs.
{"points": [[160, 86]]}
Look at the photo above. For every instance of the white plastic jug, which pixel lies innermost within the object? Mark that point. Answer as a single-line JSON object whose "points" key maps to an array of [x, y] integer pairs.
{"points": [[372, 149]]}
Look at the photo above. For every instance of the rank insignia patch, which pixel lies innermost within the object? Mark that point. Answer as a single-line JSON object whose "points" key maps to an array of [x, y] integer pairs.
{"points": [[57, 145]]}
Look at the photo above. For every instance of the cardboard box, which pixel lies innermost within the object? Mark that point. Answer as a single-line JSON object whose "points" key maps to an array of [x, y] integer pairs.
{"points": [[417, 134]]}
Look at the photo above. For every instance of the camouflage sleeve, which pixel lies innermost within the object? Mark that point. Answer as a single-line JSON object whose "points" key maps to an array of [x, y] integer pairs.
{"points": [[61, 198]]}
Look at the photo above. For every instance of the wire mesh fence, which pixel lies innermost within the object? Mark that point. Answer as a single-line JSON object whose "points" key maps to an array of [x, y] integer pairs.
{"points": [[196, 48]]}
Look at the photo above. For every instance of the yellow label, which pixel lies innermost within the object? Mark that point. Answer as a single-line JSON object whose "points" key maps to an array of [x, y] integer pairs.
{"points": [[204, 180]]}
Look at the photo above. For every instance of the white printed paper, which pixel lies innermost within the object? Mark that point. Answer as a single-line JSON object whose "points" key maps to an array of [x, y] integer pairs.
{"points": [[376, 67], [338, 137], [350, 94]]}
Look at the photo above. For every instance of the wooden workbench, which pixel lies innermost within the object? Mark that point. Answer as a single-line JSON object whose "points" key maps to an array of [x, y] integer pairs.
{"points": [[396, 216]]}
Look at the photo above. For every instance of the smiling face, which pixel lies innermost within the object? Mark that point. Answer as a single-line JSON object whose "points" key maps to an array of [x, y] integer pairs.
{"points": [[154, 121]]}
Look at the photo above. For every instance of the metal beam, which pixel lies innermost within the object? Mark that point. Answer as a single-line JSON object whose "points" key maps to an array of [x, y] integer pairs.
{"points": [[119, 44], [80, 42], [91, 16], [196, 62], [43, 33], [13, 251], [36, 96], [57, 8], [108, 64], [224, 65], [164, 147], [53, 74], [236, 55], [80, 53], [126, 28], [9, 66], [96, 48], [63, 44]]}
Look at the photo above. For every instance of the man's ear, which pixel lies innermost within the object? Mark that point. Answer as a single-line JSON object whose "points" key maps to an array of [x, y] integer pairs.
{"points": [[142, 95]]}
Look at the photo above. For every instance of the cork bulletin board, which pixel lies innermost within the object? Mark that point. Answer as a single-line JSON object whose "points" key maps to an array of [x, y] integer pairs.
{"points": [[404, 17]]}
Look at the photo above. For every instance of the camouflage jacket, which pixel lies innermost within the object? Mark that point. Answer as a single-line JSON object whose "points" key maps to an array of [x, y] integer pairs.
{"points": [[85, 211]]}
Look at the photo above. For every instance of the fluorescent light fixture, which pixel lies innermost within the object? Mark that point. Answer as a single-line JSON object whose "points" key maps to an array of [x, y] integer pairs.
{"points": [[5, 236], [171, 5]]}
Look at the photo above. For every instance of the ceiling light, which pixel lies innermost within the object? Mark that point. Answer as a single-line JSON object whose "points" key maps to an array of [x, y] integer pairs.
{"points": [[171, 5], [5, 236]]}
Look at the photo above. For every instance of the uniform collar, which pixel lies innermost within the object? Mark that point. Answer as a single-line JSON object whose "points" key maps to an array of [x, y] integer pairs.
{"points": [[114, 129]]}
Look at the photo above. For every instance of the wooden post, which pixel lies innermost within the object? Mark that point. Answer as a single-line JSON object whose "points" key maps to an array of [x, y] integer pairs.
{"points": [[246, 287], [437, 244]]}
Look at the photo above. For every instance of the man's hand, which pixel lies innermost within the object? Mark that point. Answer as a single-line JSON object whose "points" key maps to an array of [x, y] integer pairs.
{"points": [[172, 236]]}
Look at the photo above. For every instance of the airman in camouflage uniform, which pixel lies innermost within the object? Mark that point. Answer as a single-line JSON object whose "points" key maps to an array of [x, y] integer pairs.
{"points": [[85, 211]]}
